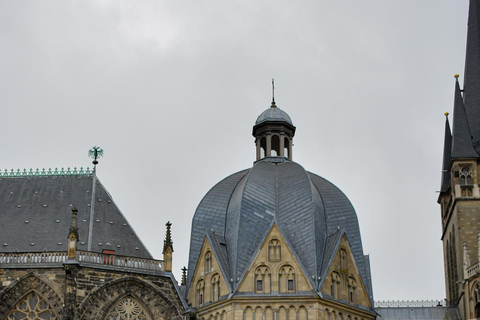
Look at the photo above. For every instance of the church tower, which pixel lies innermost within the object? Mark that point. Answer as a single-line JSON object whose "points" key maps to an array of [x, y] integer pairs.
{"points": [[459, 193]]}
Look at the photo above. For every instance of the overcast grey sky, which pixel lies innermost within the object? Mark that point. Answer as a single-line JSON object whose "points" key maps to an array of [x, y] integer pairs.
{"points": [[171, 89]]}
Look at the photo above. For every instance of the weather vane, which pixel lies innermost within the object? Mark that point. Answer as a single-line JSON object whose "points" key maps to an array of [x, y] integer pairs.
{"points": [[95, 153]]}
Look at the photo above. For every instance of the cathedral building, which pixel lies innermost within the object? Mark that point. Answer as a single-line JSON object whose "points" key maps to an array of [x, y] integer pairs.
{"points": [[272, 242]]}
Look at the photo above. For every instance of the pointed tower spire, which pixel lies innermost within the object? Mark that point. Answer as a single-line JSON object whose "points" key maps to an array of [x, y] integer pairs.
{"points": [[168, 248], [447, 156], [462, 142], [472, 73], [73, 235]]}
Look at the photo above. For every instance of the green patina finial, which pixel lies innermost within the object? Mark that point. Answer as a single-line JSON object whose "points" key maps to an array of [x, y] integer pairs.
{"points": [[95, 153]]}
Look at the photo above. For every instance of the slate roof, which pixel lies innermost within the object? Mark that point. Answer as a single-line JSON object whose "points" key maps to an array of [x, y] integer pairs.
{"points": [[273, 114], [305, 207], [472, 73], [462, 146], [418, 313], [35, 215], [447, 158]]}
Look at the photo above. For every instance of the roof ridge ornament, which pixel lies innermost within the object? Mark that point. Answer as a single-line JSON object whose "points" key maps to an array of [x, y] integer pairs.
{"points": [[45, 172], [95, 153]]}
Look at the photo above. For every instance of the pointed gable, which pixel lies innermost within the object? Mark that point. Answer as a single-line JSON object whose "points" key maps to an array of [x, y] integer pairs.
{"points": [[208, 281], [275, 268], [342, 279]]}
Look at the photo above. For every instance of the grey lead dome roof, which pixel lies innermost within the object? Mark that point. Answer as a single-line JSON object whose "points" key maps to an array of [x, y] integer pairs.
{"points": [[308, 209], [273, 114]]}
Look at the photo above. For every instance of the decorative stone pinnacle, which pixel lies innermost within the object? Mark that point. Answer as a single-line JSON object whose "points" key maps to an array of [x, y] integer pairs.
{"points": [[184, 276], [73, 226], [95, 153], [168, 243], [456, 76], [446, 114]]}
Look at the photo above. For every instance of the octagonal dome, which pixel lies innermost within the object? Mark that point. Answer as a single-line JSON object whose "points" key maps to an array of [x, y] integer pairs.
{"points": [[307, 209]]}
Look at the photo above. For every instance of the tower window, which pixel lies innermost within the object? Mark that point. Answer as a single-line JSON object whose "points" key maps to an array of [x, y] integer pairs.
{"points": [[275, 146], [466, 175], [286, 147], [263, 147]]}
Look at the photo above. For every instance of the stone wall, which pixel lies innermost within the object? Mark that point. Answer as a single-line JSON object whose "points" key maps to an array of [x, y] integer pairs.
{"points": [[76, 292]]}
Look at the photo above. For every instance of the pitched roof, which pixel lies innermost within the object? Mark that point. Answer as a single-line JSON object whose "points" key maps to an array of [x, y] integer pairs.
{"points": [[36, 213], [219, 248], [472, 73]]}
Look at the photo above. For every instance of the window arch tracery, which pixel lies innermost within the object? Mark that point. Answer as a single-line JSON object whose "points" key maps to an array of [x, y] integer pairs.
{"points": [[32, 307], [127, 308], [343, 259], [262, 279], [200, 292], [335, 286], [352, 290], [208, 261], [215, 287], [286, 279], [274, 250]]}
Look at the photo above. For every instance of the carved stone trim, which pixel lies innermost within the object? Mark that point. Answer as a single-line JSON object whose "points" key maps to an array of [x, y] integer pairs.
{"points": [[99, 303], [28, 283]]}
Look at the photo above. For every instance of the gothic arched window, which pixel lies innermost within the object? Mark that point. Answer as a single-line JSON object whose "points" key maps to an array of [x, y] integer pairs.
{"points": [[343, 259], [286, 279], [127, 308], [274, 250], [208, 261], [200, 292], [262, 279], [32, 307], [215, 285], [465, 175], [352, 290]]}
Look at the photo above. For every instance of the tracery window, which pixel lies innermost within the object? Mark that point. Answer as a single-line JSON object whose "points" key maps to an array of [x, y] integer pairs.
{"points": [[343, 259], [127, 309], [32, 307], [286, 279], [465, 175], [215, 287], [335, 287], [274, 250], [200, 292], [262, 279], [208, 261], [352, 290]]}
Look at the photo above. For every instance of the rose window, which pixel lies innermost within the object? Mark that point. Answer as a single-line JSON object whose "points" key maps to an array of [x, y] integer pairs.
{"points": [[127, 309], [32, 307]]}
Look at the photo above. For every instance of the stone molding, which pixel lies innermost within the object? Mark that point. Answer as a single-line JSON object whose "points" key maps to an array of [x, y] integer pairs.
{"points": [[98, 303], [26, 284]]}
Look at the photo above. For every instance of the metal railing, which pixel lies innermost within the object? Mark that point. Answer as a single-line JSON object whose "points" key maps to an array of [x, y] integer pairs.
{"points": [[409, 303]]}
